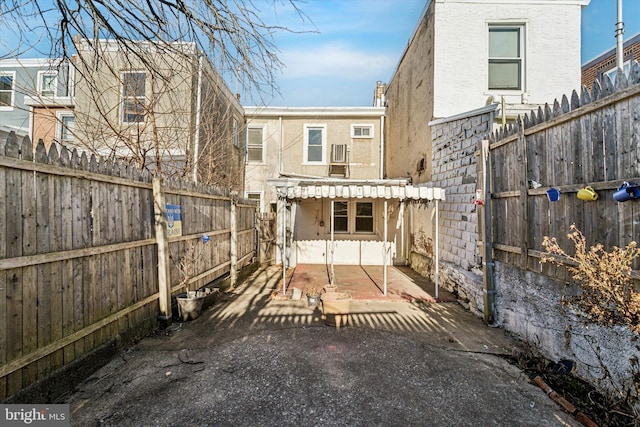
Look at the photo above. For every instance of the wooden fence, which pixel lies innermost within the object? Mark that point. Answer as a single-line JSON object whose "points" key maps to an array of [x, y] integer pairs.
{"points": [[79, 256], [592, 139]]}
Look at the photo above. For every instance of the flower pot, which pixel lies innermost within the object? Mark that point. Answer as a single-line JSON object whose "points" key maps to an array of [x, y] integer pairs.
{"points": [[336, 306], [330, 288], [313, 300], [190, 305]]}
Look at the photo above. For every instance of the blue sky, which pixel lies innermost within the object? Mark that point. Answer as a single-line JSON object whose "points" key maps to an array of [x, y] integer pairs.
{"points": [[361, 42], [337, 59]]}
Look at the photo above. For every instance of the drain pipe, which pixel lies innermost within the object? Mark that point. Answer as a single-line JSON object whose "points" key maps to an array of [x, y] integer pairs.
{"points": [[619, 42]]}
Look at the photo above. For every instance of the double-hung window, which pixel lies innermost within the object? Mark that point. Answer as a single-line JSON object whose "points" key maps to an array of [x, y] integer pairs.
{"points": [[47, 83], [340, 217], [364, 217], [64, 128], [315, 143], [506, 57], [255, 145], [7, 89], [133, 96]]}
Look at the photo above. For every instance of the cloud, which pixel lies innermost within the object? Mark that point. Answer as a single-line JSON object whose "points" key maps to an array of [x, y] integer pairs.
{"points": [[335, 60]]}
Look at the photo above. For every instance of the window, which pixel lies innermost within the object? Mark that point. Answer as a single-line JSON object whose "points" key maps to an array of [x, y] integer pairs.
{"points": [[315, 140], [65, 126], [626, 66], [236, 138], [340, 217], [133, 96], [47, 83], [364, 217], [361, 131], [6, 90], [257, 197], [255, 151], [506, 54]]}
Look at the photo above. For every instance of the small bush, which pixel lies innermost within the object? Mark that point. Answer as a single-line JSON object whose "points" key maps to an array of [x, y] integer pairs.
{"points": [[607, 295]]}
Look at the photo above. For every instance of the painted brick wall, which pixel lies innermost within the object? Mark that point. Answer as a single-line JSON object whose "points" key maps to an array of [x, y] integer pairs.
{"points": [[455, 147]]}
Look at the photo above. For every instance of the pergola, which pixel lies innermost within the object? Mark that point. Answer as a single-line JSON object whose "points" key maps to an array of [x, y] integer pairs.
{"points": [[293, 190]]}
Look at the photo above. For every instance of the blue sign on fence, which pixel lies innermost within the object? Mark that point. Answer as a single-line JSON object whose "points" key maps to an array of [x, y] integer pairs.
{"points": [[174, 220]]}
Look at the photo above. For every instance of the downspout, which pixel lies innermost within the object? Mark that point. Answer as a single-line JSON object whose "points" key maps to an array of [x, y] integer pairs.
{"points": [[487, 261], [281, 146], [381, 147], [196, 139]]}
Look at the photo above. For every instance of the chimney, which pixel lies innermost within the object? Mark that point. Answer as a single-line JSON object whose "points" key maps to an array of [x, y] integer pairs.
{"points": [[379, 99]]}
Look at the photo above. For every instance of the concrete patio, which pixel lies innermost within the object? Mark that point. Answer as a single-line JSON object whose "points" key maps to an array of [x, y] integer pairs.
{"points": [[366, 282]]}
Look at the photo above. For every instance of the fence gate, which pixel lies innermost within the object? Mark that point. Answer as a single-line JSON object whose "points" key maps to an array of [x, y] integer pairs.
{"points": [[267, 237]]}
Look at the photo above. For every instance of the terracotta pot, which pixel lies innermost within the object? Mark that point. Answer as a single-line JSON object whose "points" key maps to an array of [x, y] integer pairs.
{"points": [[336, 306]]}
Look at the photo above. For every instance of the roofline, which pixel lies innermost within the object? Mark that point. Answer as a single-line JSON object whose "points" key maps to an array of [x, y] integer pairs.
{"points": [[29, 62], [314, 111], [610, 52]]}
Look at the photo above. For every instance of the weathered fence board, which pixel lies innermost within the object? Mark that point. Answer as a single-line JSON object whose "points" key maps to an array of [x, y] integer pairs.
{"points": [[78, 254], [594, 140]]}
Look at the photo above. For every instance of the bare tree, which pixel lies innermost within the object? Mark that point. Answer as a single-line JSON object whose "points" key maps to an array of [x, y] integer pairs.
{"points": [[137, 63]]}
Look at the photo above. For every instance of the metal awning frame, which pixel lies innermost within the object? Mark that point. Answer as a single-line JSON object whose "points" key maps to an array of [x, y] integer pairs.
{"points": [[291, 190]]}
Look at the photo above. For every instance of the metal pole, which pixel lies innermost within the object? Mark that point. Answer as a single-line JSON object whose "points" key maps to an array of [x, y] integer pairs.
{"points": [[619, 41], [331, 274], [437, 249], [487, 261], [384, 261]]}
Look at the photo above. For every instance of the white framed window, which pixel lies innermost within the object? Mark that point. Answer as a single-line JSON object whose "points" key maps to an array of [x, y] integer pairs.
{"points": [[133, 86], [65, 125], [47, 83], [255, 144], [626, 67], [257, 196], [340, 217], [315, 144], [7, 89], [364, 217], [361, 131], [506, 57], [356, 217]]}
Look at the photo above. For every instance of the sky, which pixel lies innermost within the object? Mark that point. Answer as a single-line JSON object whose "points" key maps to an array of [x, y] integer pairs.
{"points": [[339, 66], [336, 59]]}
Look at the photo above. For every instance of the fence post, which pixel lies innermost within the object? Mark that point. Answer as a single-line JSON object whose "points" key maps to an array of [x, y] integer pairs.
{"points": [[233, 247], [487, 260], [524, 195], [164, 272]]}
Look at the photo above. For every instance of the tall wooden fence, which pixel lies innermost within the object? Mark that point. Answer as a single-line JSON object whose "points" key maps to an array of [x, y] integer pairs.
{"points": [[79, 255], [591, 139]]}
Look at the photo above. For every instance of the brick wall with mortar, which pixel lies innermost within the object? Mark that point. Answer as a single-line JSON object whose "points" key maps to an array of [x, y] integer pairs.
{"points": [[606, 62], [455, 156]]}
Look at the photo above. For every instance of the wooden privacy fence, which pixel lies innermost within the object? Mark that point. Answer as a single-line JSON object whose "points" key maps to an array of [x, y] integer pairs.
{"points": [[592, 139], [79, 253]]}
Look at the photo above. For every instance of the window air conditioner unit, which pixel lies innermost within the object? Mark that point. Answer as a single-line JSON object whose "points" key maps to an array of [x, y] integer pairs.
{"points": [[339, 153]]}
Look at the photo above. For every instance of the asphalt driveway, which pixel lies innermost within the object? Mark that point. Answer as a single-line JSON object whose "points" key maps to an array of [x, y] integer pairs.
{"points": [[254, 361]]}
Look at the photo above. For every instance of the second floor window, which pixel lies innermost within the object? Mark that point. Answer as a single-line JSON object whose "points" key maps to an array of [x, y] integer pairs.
{"points": [[315, 140], [361, 131], [506, 56], [6, 90], [133, 96], [47, 83], [255, 145]]}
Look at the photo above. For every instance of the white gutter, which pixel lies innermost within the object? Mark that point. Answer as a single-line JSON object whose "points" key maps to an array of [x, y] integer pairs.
{"points": [[196, 140]]}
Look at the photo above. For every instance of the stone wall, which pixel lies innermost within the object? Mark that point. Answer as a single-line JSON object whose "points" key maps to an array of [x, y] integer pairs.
{"points": [[456, 142]]}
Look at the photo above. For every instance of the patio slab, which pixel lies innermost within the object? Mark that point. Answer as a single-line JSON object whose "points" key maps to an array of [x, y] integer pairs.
{"points": [[366, 283]]}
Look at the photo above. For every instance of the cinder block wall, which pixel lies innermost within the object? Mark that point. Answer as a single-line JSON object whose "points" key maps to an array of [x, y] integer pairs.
{"points": [[456, 143]]}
